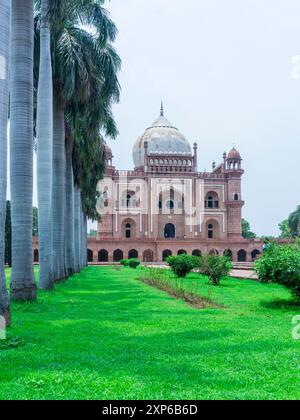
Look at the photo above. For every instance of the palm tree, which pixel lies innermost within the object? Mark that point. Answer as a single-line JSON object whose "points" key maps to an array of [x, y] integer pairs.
{"points": [[69, 216], [44, 149], [294, 222], [4, 71], [23, 285], [76, 222], [84, 69], [83, 64]]}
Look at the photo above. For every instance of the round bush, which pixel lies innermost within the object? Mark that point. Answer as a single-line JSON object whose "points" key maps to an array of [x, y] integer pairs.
{"points": [[182, 265], [281, 264], [134, 263]]}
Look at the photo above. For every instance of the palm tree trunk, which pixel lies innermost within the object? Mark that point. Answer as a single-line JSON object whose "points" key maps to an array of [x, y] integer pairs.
{"points": [[44, 158], [69, 220], [80, 235], [58, 190], [85, 242], [83, 250], [23, 286], [4, 72], [77, 228]]}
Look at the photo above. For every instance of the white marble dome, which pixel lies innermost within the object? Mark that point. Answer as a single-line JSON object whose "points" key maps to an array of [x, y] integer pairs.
{"points": [[163, 139]]}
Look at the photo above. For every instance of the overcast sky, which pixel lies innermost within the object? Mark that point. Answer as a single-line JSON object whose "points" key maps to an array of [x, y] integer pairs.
{"points": [[224, 70]]}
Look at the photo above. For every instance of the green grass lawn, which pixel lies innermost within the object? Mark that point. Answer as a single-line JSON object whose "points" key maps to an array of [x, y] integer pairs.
{"points": [[106, 335]]}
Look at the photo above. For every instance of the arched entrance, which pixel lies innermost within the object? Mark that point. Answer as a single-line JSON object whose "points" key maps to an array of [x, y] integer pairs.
{"points": [[197, 253], [182, 252], [242, 256], [103, 256], [90, 256], [255, 254], [36, 256], [133, 253], [214, 252], [170, 231], [166, 254], [228, 254], [118, 255], [148, 256]]}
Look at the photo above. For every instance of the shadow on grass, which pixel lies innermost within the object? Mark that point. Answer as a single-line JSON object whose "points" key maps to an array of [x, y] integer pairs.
{"points": [[282, 304]]}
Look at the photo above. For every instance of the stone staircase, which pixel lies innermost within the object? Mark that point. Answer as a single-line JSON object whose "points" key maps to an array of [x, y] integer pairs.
{"points": [[243, 265]]}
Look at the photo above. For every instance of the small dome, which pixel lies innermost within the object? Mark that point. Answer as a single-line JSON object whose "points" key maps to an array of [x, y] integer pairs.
{"points": [[163, 139], [108, 152], [234, 155]]}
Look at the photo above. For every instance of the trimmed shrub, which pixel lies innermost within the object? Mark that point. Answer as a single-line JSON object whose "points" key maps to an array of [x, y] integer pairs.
{"points": [[134, 263], [281, 264], [182, 265], [124, 262], [215, 267]]}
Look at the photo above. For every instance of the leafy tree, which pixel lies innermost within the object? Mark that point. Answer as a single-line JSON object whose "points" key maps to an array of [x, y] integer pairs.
{"points": [[294, 222], [285, 230], [8, 259], [246, 230], [215, 267], [84, 72], [281, 264]]}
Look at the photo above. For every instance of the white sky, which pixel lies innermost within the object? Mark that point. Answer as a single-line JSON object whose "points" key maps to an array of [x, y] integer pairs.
{"points": [[224, 70]]}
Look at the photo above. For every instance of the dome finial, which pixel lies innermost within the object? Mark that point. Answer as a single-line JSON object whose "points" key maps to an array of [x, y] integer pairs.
{"points": [[162, 112]]}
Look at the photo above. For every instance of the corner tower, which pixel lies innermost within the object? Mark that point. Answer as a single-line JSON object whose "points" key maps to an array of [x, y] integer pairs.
{"points": [[234, 202]]}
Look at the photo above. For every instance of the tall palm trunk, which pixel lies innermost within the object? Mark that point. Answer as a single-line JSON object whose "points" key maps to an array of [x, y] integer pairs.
{"points": [[85, 259], [82, 241], [58, 190], [4, 61], [45, 141], [69, 219], [23, 285], [77, 228]]}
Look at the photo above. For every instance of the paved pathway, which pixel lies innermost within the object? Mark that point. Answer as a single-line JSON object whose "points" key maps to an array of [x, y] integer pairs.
{"points": [[237, 273], [244, 274]]}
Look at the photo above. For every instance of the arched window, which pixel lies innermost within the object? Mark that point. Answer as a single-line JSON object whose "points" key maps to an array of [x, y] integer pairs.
{"points": [[90, 256], [170, 205], [103, 256], [118, 255], [197, 253], [212, 200], [170, 231], [166, 254], [242, 256], [236, 197], [128, 231], [133, 254], [228, 254], [210, 231], [129, 199]]}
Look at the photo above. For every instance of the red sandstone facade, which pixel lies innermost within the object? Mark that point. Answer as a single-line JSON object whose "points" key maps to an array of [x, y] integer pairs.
{"points": [[166, 207]]}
